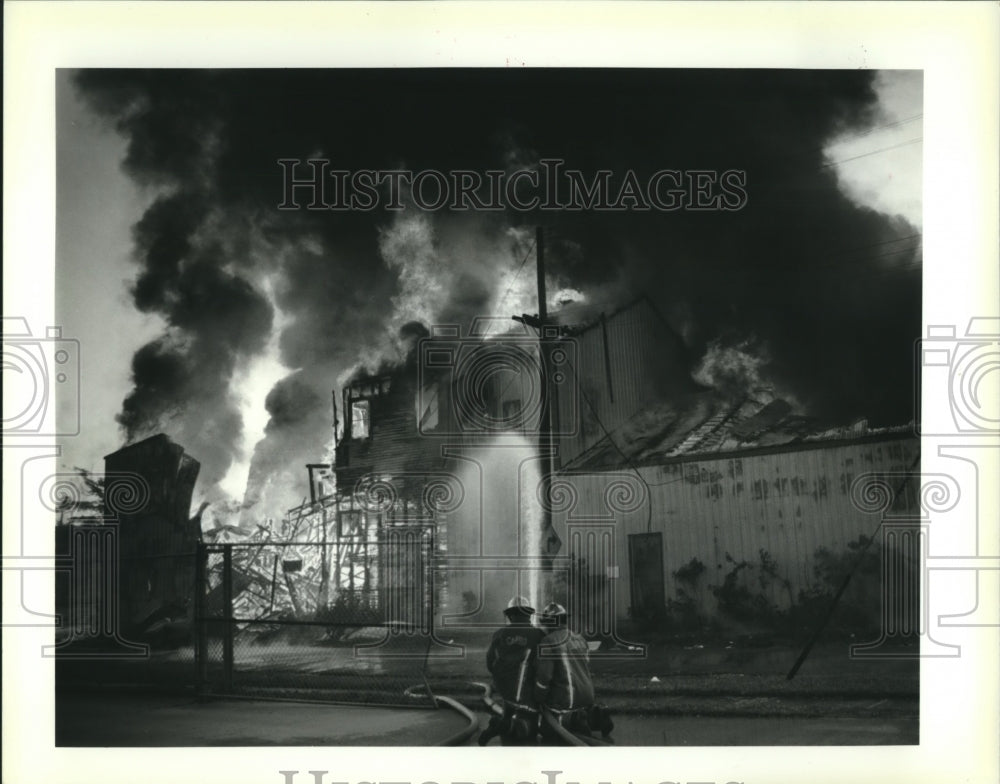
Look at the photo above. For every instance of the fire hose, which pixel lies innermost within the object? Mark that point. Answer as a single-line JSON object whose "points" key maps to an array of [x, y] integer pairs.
{"points": [[455, 739], [551, 721], [440, 700], [472, 727], [567, 736]]}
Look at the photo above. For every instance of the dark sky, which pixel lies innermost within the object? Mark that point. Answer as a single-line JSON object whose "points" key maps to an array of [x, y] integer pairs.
{"points": [[825, 289]]}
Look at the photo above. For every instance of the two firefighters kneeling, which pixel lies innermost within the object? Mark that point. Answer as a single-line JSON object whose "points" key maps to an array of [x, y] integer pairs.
{"points": [[541, 668]]}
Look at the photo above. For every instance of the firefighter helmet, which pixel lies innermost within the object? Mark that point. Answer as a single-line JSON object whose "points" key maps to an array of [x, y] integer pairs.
{"points": [[554, 610], [519, 604]]}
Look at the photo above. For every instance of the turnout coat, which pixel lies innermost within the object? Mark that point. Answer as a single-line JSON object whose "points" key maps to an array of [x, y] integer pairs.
{"points": [[511, 659], [562, 677]]}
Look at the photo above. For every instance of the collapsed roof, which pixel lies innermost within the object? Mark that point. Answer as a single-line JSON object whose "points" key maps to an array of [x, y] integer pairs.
{"points": [[706, 424]]}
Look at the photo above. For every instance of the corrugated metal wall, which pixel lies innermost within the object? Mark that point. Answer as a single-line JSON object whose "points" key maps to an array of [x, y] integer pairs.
{"points": [[638, 366], [786, 503]]}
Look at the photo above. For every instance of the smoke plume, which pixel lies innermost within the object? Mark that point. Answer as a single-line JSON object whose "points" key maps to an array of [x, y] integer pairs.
{"points": [[800, 267]]}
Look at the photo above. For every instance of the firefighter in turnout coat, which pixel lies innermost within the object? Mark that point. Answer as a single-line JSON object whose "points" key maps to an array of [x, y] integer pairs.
{"points": [[511, 660], [562, 679]]}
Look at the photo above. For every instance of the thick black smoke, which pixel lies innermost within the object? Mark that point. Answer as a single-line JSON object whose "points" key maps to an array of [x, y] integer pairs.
{"points": [[215, 318], [800, 270]]}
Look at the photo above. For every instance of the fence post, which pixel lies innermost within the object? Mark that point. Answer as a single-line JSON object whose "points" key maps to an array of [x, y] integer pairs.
{"points": [[200, 621], [228, 624]]}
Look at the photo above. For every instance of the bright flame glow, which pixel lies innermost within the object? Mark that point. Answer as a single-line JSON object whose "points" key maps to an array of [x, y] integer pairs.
{"points": [[254, 381]]}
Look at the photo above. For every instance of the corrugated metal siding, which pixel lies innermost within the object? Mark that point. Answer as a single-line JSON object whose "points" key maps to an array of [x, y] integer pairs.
{"points": [[641, 356], [787, 504]]}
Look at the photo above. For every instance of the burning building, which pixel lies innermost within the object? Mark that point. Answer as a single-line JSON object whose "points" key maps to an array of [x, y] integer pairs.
{"points": [[440, 473], [236, 281]]}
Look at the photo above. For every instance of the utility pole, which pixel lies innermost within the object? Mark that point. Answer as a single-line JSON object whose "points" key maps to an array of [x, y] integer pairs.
{"points": [[546, 449], [545, 422]]}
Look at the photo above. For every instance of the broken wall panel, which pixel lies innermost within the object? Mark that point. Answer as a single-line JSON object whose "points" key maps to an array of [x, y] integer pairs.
{"points": [[625, 360], [157, 538]]}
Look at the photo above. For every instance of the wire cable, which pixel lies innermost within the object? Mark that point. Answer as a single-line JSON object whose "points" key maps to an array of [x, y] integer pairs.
{"points": [[503, 299], [851, 137], [873, 152], [854, 567]]}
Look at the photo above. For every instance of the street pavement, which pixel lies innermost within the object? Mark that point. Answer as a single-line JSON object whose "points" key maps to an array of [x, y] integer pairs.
{"points": [[673, 695], [91, 718], [99, 719]]}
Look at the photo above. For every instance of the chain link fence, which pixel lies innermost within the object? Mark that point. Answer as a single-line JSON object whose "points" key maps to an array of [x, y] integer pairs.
{"points": [[348, 620], [352, 612]]}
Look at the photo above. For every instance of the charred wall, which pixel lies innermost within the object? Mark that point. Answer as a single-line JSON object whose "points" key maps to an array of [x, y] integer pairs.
{"points": [[392, 443], [157, 537]]}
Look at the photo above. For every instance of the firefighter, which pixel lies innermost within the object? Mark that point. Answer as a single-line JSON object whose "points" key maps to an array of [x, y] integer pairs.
{"points": [[511, 660], [562, 679]]}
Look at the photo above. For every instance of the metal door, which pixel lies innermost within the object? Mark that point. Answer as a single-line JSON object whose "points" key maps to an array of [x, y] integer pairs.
{"points": [[645, 558]]}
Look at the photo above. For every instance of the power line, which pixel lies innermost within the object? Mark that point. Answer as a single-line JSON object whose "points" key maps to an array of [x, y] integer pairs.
{"points": [[873, 152], [883, 242], [842, 139], [844, 261], [516, 274]]}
